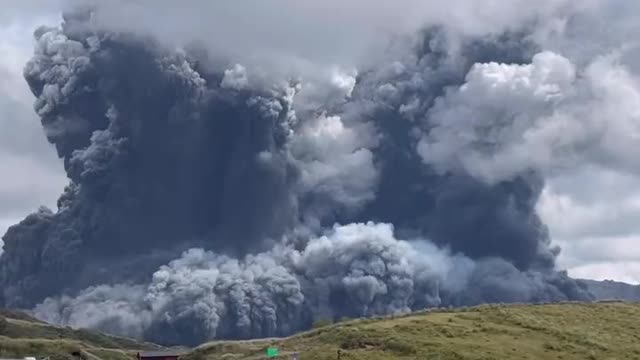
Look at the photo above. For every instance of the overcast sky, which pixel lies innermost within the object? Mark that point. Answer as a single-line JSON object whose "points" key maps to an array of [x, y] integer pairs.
{"points": [[593, 211], [31, 173]]}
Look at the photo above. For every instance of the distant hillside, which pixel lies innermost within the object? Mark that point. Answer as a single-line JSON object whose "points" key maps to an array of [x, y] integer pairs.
{"points": [[607, 290], [568, 331], [22, 335]]}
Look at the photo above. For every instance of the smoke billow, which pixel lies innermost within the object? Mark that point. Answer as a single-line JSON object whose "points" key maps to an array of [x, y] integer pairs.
{"points": [[207, 202], [354, 270]]}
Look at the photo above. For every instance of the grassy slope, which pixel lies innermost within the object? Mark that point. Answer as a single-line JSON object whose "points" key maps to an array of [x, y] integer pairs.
{"points": [[560, 331], [22, 335]]}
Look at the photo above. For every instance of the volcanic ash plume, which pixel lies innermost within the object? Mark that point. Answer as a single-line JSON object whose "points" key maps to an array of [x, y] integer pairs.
{"points": [[354, 270], [206, 201]]}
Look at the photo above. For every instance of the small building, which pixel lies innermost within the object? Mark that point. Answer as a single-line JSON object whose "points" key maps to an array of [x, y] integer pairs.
{"points": [[160, 355]]}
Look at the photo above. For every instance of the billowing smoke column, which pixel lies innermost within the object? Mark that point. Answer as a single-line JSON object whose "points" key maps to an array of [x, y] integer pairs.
{"points": [[203, 205]]}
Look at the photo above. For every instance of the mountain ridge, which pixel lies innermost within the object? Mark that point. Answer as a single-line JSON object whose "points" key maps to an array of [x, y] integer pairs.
{"points": [[569, 331], [22, 335], [610, 289]]}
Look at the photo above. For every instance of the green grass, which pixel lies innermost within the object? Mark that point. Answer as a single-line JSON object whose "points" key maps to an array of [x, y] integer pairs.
{"points": [[22, 335], [571, 331]]}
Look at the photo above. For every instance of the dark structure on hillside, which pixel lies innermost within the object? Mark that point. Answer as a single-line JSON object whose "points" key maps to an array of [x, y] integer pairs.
{"points": [[160, 355]]}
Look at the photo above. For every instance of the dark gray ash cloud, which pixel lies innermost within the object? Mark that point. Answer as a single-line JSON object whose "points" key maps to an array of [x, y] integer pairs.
{"points": [[208, 200]]}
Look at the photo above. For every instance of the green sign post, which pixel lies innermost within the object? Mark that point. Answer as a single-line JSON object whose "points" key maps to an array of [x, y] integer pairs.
{"points": [[272, 352]]}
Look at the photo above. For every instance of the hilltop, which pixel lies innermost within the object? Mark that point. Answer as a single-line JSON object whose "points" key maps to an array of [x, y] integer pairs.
{"points": [[568, 331], [22, 335], [606, 330]]}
